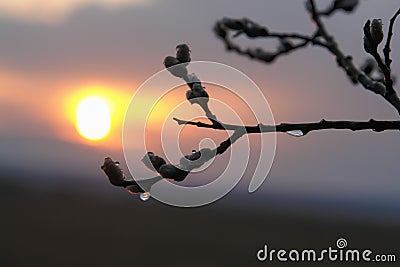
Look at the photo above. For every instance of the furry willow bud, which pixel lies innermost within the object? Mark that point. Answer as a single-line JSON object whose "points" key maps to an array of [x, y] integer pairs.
{"points": [[145, 185], [175, 67], [190, 96], [373, 35], [253, 29], [170, 171], [233, 24], [368, 66], [197, 91], [377, 31], [170, 61], [220, 30], [369, 44], [260, 54], [191, 78], [152, 161], [113, 172], [285, 45], [346, 5], [134, 189], [183, 53]]}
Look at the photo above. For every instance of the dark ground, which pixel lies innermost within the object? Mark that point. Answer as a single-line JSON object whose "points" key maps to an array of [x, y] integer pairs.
{"points": [[57, 228]]}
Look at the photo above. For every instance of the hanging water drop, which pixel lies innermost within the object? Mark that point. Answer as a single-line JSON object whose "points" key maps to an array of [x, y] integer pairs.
{"points": [[295, 133], [145, 196]]}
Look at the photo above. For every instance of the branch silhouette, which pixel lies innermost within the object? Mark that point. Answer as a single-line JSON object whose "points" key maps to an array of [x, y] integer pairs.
{"points": [[321, 37], [305, 128], [288, 42]]}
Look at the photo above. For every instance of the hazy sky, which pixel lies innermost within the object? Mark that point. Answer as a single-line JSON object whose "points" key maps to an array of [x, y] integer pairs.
{"points": [[52, 54]]}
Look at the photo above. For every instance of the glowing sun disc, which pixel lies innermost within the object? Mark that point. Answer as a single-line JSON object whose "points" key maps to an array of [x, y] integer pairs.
{"points": [[93, 120]]}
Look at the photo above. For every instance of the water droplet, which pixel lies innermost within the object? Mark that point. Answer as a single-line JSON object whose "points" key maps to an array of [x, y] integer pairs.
{"points": [[145, 196], [295, 133]]}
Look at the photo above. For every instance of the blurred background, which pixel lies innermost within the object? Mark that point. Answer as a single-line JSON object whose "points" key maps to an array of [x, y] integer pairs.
{"points": [[59, 59]]}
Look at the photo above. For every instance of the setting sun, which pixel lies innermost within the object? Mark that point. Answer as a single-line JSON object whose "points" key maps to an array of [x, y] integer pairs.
{"points": [[95, 114], [93, 119]]}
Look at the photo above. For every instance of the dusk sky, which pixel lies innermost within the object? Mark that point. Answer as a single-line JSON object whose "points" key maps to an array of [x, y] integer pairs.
{"points": [[55, 53]]}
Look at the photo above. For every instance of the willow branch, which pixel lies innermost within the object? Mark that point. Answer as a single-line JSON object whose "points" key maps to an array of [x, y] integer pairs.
{"points": [[321, 38], [374, 125], [345, 62]]}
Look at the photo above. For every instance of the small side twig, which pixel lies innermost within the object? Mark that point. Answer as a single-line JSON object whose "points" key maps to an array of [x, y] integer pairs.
{"points": [[253, 30], [387, 49]]}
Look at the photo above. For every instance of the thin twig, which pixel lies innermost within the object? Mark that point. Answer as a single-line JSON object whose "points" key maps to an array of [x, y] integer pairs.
{"points": [[387, 49], [254, 30]]}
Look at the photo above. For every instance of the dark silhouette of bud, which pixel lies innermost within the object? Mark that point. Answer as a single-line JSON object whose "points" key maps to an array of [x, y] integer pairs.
{"points": [[253, 29], [220, 30], [373, 35], [233, 24], [194, 156], [369, 45], [369, 66], [170, 61], [190, 79], [183, 53], [152, 161], [346, 5], [260, 54], [134, 189], [114, 172], [377, 31], [170, 171], [175, 67], [190, 96], [145, 185], [308, 6], [207, 153], [285, 45], [199, 90], [197, 93]]}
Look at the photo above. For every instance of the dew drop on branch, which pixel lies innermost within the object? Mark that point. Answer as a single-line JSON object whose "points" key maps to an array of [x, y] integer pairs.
{"points": [[295, 133], [145, 196]]}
